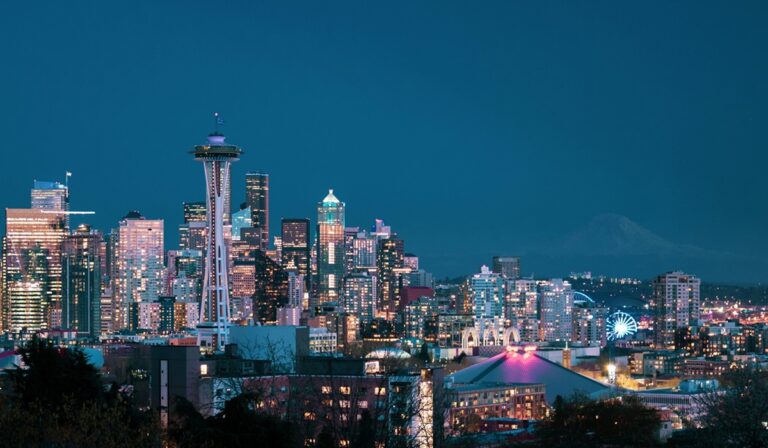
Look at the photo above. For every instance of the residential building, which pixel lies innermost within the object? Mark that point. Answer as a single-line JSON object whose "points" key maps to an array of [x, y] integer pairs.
{"points": [[676, 304]]}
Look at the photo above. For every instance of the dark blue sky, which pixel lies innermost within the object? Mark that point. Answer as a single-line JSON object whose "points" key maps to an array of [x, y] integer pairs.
{"points": [[472, 128]]}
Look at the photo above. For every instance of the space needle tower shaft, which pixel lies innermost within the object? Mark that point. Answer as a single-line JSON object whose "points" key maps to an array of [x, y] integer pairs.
{"points": [[217, 156]]}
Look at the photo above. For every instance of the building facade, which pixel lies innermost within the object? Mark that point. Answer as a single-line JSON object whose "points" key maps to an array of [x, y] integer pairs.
{"points": [[508, 267], [32, 273], [556, 310], [257, 198], [330, 248], [139, 261], [81, 266], [296, 246], [676, 304]]}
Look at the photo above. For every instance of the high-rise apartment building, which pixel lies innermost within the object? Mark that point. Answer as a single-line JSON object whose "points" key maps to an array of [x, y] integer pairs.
{"points": [[389, 264], [411, 262], [350, 235], [139, 258], [81, 265], [257, 198], [556, 310], [589, 326], [676, 302], [294, 233], [330, 248], [32, 281], [508, 267], [359, 296], [364, 251], [487, 294], [242, 274], [522, 308]]}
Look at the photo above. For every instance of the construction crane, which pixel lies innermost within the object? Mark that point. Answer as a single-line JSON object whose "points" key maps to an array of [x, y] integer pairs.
{"points": [[68, 212]]}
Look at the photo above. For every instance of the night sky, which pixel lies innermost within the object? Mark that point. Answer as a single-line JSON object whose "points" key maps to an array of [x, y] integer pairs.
{"points": [[472, 128]]}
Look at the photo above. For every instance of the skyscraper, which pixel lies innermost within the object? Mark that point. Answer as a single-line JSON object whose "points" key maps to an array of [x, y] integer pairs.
{"points": [[296, 288], [81, 266], [32, 281], [295, 240], [522, 308], [556, 313], [216, 155], [192, 232], [271, 289], [364, 251], [350, 235], [487, 294], [139, 258], [194, 212], [49, 196], [389, 264], [257, 198], [675, 301], [508, 267], [330, 248], [240, 220], [589, 326], [359, 296]]}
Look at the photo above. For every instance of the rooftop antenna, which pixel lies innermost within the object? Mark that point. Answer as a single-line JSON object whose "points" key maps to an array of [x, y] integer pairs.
{"points": [[217, 121]]}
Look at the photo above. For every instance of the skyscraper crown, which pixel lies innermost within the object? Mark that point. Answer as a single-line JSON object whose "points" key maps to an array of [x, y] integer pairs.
{"points": [[330, 198]]}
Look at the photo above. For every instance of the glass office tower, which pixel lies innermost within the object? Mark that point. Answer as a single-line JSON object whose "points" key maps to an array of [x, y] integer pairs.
{"points": [[330, 248]]}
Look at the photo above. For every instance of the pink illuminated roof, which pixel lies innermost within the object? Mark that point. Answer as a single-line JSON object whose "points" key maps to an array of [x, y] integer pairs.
{"points": [[521, 367]]}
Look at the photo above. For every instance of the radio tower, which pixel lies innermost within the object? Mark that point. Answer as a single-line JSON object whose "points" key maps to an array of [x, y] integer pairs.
{"points": [[216, 155]]}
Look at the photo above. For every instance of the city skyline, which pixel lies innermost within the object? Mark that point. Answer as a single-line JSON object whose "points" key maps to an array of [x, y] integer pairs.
{"points": [[545, 130], [344, 224]]}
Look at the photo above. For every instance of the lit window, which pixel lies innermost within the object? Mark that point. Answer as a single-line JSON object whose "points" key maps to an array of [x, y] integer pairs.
{"points": [[345, 390], [326, 389], [203, 369]]}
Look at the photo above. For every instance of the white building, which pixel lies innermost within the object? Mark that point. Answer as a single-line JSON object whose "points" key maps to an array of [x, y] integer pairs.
{"points": [[522, 308], [139, 263], [487, 294], [556, 310], [322, 341]]}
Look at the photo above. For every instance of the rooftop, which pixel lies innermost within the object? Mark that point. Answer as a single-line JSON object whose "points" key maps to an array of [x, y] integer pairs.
{"points": [[526, 367], [216, 148], [330, 198]]}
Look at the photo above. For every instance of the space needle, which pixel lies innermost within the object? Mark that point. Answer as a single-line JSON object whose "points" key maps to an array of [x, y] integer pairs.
{"points": [[216, 155]]}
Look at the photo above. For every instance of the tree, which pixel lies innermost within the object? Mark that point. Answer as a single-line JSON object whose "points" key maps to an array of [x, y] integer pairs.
{"points": [[51, 373], [325, 439], [238, 425], [736, 415], [57, 400], [579, 421], [366, 436]]}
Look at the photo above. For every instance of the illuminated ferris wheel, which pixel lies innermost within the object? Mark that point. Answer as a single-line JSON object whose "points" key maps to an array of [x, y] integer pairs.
{"points": [[619, 325]]}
